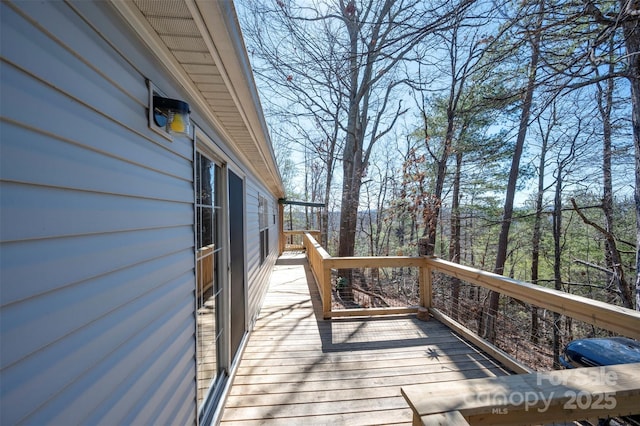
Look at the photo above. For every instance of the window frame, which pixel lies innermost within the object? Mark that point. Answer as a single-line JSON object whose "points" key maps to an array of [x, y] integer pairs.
{"points": [[263, 227]]}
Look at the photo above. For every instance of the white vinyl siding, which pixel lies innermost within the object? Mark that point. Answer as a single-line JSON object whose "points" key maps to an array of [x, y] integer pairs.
{"points": [[258, 274], [96, 230]]}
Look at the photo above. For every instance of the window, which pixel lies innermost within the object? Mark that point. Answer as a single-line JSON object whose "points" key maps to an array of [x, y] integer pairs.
{"points": [[263, 219], [209, 288], [275, 213]]}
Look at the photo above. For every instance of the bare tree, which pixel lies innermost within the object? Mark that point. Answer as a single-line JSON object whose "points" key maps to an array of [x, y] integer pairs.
{"points": [[301, 69], [610, 36], [507, 216], [381, 34], [464, 44], [605, 103], [627, 19], [539, 211], [336, 61]]}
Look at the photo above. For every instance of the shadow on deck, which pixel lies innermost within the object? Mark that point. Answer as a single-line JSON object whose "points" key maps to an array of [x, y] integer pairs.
{"points": [[298, 368]]}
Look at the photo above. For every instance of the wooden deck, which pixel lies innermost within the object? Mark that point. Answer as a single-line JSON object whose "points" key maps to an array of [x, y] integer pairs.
{"points": [[299, 369]]}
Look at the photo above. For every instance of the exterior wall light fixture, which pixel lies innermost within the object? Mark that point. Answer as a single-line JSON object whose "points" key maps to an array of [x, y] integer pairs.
{"points": [[171, 114]]}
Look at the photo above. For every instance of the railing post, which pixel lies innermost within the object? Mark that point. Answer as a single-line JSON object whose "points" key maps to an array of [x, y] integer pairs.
{"points": [[425, 275], [425, 285], [326, 290], [281, 242]]}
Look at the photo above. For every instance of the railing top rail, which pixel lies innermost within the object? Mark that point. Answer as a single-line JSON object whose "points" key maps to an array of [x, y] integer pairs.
{"points": [[301, 231], [604, 315], [316, 245], [375, 262]]}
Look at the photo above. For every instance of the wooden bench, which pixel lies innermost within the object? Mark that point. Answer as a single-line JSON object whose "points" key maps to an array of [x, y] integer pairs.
{"points": [[535, 398]]}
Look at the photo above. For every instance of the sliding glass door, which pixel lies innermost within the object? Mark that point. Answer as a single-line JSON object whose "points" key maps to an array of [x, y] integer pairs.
{"points": [[210, 267], [220, 276]]}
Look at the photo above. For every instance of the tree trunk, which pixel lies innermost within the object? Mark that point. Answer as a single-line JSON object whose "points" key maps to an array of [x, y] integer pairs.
{"points": [[454, 244], [632, 43], [351, 184], [503, 239], [605, 102], [535, 252], [619, 284], [433, 203], [324, 218], [351, 160], [557, 252]]}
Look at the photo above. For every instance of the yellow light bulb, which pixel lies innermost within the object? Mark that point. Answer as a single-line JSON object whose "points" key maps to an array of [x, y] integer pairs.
{"points": [[177, 124]]}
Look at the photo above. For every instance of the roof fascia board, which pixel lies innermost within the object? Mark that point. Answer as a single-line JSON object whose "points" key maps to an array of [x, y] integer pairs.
{"points": [[219, 23]]}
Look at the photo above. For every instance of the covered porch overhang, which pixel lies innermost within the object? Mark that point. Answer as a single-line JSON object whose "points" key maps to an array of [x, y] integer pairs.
{"points": [[200, 43]]}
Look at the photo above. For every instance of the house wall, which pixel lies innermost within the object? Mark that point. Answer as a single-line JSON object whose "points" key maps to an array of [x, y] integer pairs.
{"points": [[96, 228], [258, 275]]}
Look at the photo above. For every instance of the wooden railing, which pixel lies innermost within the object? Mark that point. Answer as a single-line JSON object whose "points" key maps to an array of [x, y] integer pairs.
{"points": [[322, 263], [619, 320], [293, 240], [204, 267], [616, 319], [603, 315], [317, 255]]}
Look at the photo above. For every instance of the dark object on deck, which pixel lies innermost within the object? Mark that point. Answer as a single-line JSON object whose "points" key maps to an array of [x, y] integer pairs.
{"points": [[600, 351]]}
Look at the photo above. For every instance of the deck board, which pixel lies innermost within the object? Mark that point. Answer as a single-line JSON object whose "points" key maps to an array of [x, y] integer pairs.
{"points": [[300, 369]]}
